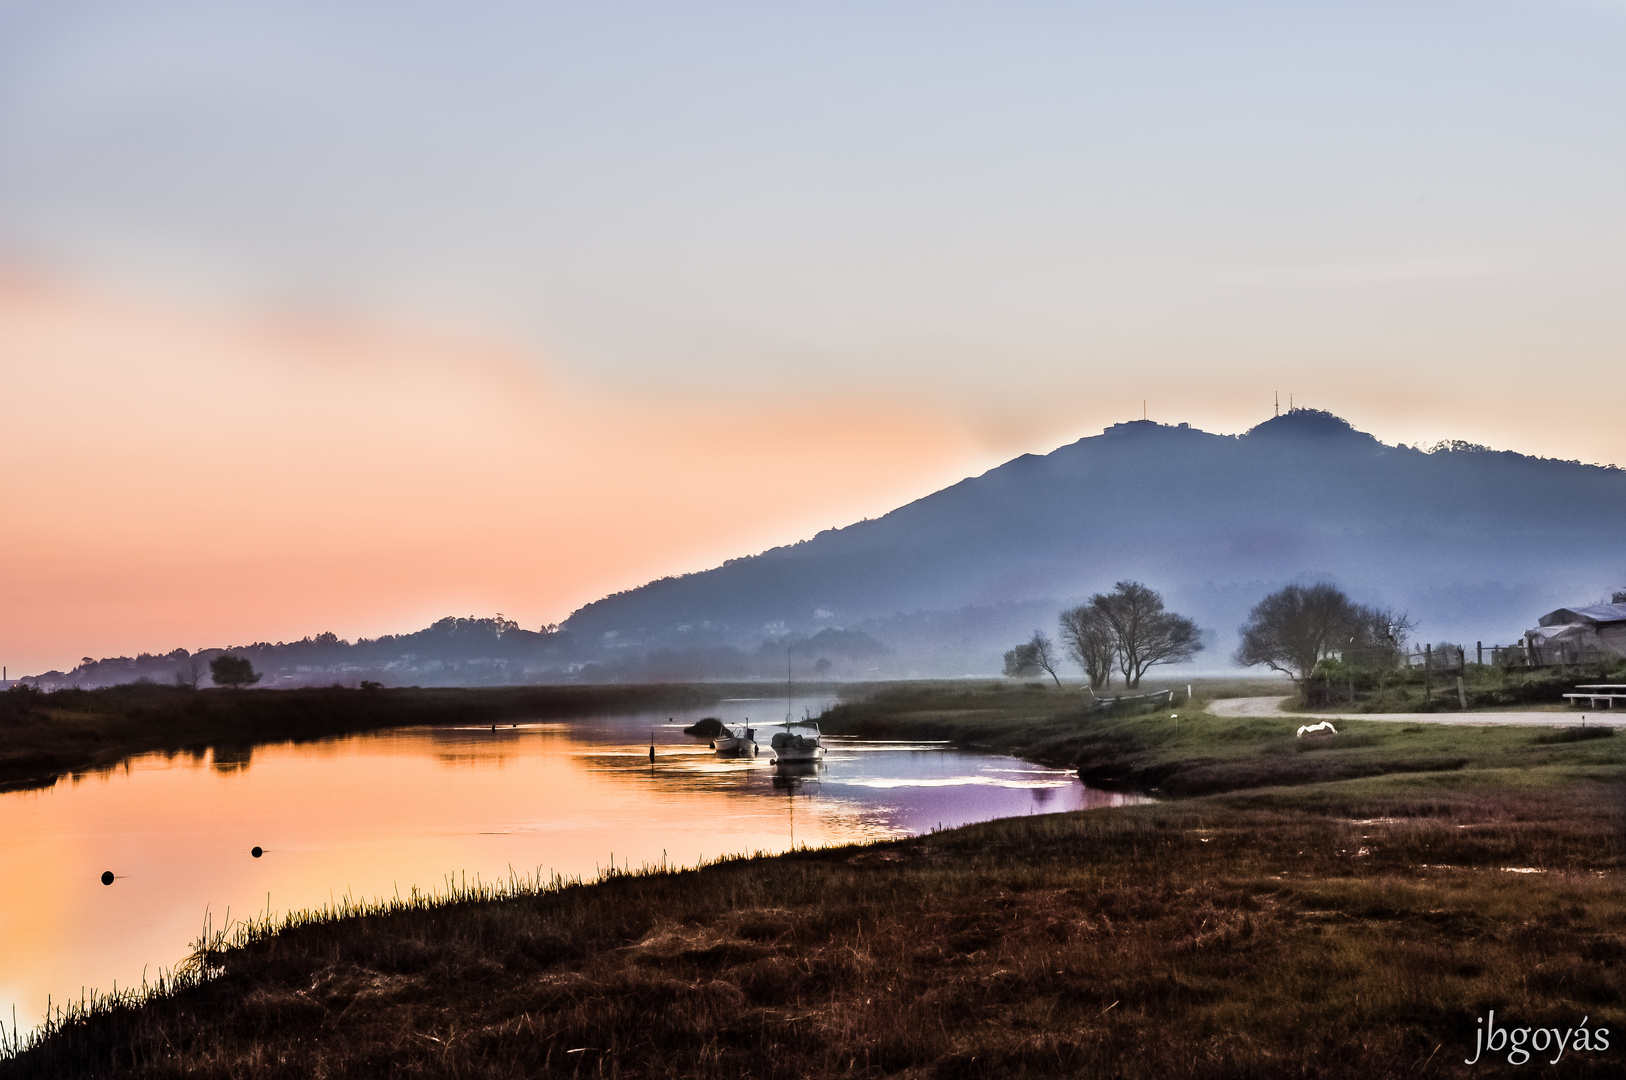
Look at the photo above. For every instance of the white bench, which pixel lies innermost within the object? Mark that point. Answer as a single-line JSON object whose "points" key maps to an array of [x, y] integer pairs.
{"points": [[1608, 693]]}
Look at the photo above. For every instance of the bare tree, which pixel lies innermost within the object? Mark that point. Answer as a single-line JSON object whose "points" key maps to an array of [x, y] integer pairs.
{"points": [[1292, 629], [1143, 631], [1089, 641], [1380, 638], [1031, 657], [189, 674]]}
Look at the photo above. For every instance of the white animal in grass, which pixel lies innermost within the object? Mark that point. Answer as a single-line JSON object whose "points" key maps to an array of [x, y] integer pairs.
{"points": [[1315, 729]]}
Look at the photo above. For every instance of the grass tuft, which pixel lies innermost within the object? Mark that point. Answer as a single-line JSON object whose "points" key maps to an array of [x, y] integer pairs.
{"points": [[1349, 930]]}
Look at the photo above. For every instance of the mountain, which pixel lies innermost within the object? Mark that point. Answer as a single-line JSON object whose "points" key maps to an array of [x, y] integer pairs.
{"points": [[1473, 543]]}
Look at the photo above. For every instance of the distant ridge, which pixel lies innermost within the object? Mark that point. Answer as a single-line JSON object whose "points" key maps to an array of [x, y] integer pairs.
{"points": [[1474, 543]]}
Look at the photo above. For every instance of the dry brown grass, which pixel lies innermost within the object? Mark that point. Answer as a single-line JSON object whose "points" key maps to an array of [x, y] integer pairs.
{"points": [[1352, 930]]}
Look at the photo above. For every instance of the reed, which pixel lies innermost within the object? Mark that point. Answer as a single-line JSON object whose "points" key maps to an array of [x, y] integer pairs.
{"points": [[1351, 929], [1341, 909], [43, 736]]}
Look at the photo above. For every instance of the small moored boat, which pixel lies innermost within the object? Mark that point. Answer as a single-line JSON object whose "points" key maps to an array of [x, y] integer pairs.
{"points": [[797, 742], [740, 740]]}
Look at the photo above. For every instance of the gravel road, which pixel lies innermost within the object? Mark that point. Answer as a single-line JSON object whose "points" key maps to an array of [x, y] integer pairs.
{"points": [[1272, 707]]}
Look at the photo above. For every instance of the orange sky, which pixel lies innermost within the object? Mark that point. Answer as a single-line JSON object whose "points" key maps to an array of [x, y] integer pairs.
{"points": [[175, 479], [731, 275], [180, 475]]}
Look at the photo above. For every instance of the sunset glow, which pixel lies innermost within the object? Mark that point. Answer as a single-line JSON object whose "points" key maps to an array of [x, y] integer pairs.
{"points": [[371, 817], [1141, 486], [183, 481], [314, 319]]}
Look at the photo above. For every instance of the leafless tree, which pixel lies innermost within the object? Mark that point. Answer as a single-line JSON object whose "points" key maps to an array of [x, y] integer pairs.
{"points": [[189, 674], [1380, 637], [1089, 641], [1292, 629], [1145, 634], [1031, 657]]}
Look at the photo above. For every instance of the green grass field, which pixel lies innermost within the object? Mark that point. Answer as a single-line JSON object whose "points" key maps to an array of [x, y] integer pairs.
{"points": [[1182, 750]]}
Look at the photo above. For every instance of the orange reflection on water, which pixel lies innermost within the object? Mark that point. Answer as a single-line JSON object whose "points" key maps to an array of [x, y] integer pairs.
{"points": [[372, 815]]}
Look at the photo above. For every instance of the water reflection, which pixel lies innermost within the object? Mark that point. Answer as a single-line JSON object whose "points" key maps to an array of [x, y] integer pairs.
{"points": [[368, 815], [230, 759]]}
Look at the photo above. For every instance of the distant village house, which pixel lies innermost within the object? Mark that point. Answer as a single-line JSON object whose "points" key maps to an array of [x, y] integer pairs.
{"points": [[1569, 635]]}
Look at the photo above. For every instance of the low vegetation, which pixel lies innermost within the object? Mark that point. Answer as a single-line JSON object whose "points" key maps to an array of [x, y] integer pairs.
{"points": [[1352, 929], [1339, 687], [43, 736], [1181, 750], [1333, 907]]}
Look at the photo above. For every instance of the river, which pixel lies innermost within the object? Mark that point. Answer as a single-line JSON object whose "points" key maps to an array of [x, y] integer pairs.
{"points": [[371, 815]]}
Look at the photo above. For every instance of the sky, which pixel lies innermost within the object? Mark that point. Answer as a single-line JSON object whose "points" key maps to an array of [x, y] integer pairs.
{"points": [[351, 315]]}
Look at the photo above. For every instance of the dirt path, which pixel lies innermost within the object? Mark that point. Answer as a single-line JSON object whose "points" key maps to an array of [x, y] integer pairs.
{"points": [[1272, 706]]}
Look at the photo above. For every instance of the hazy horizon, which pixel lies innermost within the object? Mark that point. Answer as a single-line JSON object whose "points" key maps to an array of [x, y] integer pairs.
{"points": [[318, 318]]}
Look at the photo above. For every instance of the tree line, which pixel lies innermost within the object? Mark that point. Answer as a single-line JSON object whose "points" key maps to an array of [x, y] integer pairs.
{"points": [[1128, 629], [1291, 631]]}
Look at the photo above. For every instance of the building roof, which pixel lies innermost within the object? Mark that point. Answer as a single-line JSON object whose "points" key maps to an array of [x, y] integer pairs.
{"points": [[1593, 613]]}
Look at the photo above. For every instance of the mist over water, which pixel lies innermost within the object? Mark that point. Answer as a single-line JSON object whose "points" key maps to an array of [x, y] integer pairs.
{"points": [[1472, 543]]}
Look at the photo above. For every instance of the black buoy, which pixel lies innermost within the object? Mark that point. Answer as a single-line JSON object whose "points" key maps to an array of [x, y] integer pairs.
{"points": [[107, 877], [256, 851]]}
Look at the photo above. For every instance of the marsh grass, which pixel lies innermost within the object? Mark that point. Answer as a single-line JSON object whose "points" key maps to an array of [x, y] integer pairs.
{"points": [[1574, 734], [43, 736], [1356, 932], [1184, 750], [1339, 909]]}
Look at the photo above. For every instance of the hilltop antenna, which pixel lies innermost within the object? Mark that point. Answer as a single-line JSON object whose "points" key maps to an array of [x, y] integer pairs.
{"points": [[1278, 403]]}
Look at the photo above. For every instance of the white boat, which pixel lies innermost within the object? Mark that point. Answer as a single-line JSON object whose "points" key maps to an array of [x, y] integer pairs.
{"points": [[796, 742], [740, 741]]}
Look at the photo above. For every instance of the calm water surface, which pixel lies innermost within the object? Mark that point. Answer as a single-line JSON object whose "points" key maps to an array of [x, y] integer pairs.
{"points": [[368, 815]]}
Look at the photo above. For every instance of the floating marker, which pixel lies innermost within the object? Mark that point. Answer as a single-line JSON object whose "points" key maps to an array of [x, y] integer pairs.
{"points": [[256, 851], [107, 877]]}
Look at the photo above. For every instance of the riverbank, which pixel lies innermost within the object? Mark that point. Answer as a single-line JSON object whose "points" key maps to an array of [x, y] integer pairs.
{"points": [[44, 736], [1339, 908], [1187, 749], [1348, 929]]}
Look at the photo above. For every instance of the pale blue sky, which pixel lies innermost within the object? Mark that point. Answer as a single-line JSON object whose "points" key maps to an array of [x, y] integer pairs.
{"points": [[1029, 216]]}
